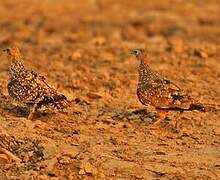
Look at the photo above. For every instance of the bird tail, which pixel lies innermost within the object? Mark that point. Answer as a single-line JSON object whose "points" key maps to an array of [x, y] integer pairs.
{"points": [[62, 104], [58, 101], [204, 107], [197, 106]]}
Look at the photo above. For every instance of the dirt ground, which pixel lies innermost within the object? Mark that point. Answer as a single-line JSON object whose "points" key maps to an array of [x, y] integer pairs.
{"points": [[82, 47]]}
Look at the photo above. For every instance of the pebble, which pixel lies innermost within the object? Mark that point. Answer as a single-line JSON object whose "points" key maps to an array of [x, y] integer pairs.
{"points": [[86, 167], [3, 159], [200, 53], [65, 160], [76, 55], [176, 45], [99, 41], [92, 95], [217, 131]]}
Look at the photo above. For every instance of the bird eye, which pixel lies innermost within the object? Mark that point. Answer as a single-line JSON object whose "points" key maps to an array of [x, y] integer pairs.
{"points": [[136, 52]]}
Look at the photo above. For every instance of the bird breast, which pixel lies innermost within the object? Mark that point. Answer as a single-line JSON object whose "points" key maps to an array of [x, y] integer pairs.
{"points": [[16, 70]]}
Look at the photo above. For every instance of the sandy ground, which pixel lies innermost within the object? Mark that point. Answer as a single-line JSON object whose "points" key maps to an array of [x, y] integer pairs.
{"points": [[82, 47]]}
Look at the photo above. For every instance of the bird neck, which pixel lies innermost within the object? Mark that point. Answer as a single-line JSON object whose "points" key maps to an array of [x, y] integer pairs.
{"points": [[146, 75], [143, 69], [16, 67]]}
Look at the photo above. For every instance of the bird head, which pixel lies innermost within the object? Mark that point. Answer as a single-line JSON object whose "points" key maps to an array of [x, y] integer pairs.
{"points": [[13, 53], [139, 54]]}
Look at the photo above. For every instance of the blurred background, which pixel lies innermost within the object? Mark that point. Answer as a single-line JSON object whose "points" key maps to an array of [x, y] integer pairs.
{"points": [[67, 23], [95, 36], [83, 48]]}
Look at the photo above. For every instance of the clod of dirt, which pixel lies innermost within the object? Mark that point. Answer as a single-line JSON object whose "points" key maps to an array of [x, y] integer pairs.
{"points": [[71, 151], [28, 150], [9, 155], [200, 53], [3, 159], [217, 131], [64, 160], [6, 141], [114, 164], [87, 167], [99, 41], [76, 56], [92, 95], [176, 45], [51, 150]]}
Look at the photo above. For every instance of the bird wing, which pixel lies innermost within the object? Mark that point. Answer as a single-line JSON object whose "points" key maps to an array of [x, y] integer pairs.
{"points": [[169, 95], [31, 88], [48, 94], [41, 81], [22, 92], [165, 83], [171, 84]]}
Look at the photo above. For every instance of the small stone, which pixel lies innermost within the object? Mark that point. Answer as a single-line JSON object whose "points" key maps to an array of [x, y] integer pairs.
{"points": [[102, 176], [82, 172], [160, 153], [176, 45], [200, 53], [147, 120], [70, 151], [88, 168], [3, 159], [92, 95], [133, 116], [65, 160], [217, 131], [99, 41], [107, 56], [76, 55], [203, 54], [151, 114]]}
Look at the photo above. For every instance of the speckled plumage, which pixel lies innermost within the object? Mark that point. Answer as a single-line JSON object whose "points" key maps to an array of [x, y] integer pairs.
{"points": [[159, 92], [29, 88]]}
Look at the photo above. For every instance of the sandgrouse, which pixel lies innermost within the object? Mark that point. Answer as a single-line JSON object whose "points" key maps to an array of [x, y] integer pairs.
{"points": [[160, 92], [28, 88]]}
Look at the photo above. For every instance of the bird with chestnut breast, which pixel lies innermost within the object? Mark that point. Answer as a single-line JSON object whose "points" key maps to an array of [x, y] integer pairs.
{"points": [[159, 92]]}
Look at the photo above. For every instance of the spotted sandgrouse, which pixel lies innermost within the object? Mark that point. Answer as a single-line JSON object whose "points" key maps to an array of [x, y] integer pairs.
{"points": [[159, 92], [29, 88]]}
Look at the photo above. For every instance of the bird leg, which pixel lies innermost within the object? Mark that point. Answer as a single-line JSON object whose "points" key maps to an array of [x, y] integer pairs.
{"points": [[162, 114], [170, 126], [32, 111]]}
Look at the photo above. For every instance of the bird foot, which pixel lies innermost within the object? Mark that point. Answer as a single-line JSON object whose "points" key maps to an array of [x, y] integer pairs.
{"points": [[161, 117], [32, 111], [30, 116], [167, 123]]}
